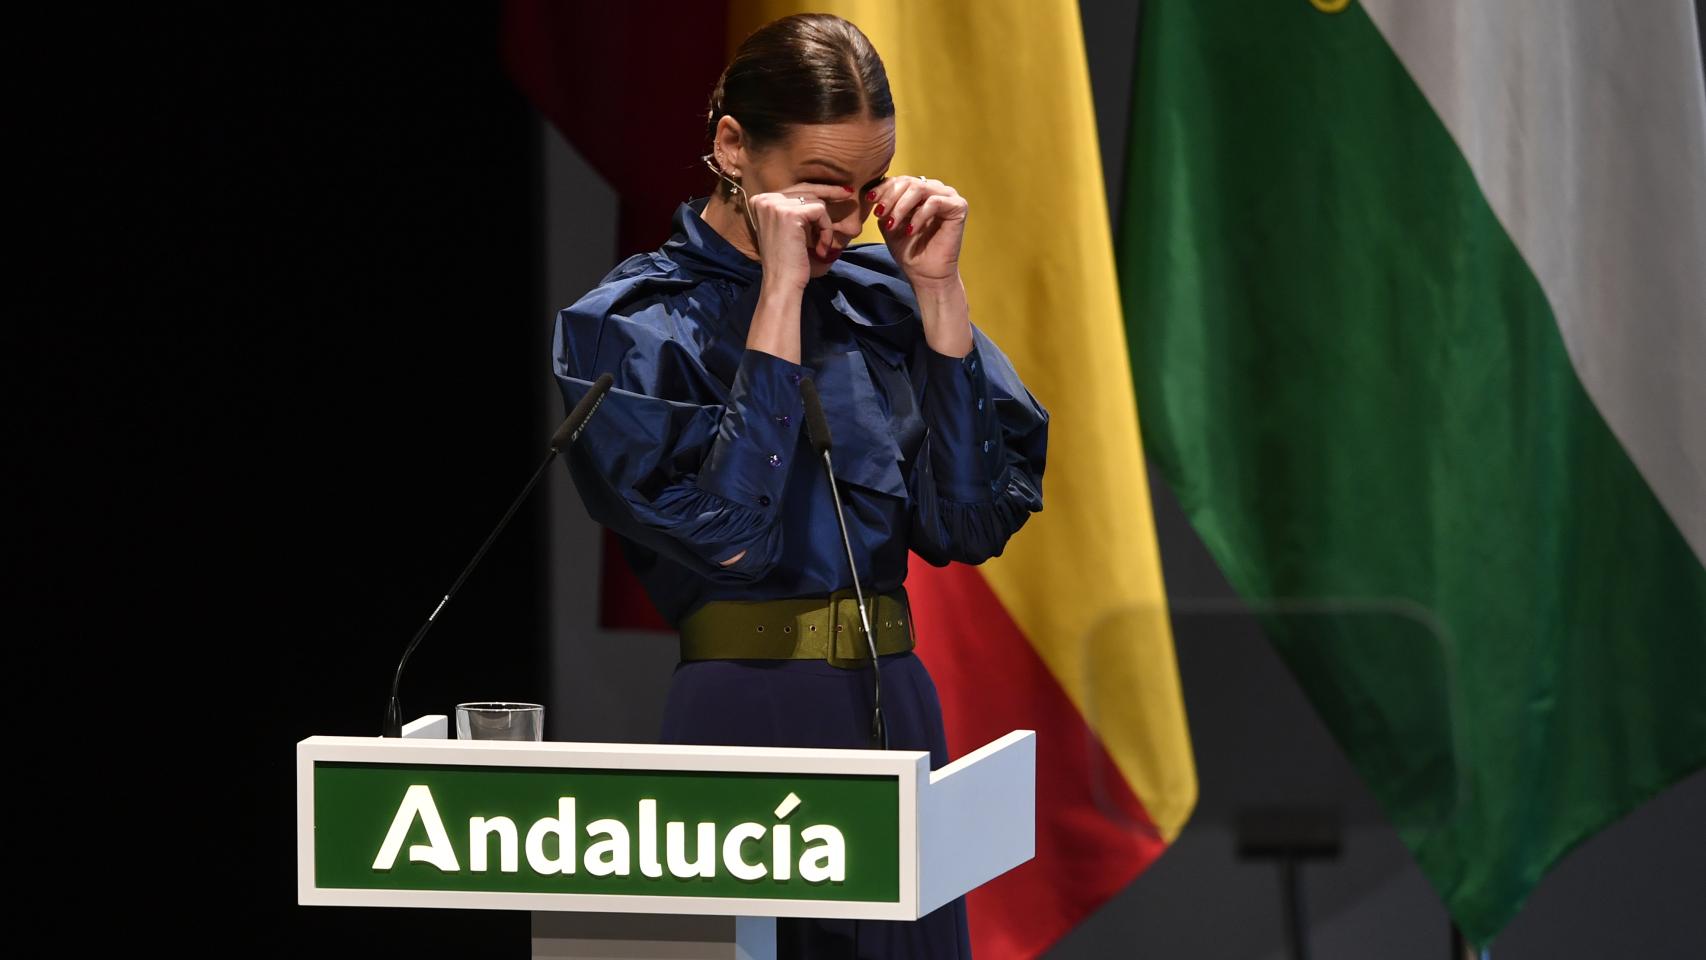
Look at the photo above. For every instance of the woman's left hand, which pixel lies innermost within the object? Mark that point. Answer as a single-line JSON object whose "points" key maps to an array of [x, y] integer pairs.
{"points": [[923, 222]]}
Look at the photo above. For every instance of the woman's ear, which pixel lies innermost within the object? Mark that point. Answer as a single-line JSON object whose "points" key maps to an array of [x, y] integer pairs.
{"points": [[730, 146]]}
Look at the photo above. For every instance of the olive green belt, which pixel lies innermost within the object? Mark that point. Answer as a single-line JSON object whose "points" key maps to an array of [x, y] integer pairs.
{"points": [[802, 628]]}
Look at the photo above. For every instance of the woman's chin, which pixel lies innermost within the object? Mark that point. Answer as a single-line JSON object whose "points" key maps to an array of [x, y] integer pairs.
{"points": [[821, 266]]}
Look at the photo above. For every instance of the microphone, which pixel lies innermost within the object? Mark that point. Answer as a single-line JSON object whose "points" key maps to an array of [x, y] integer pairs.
{"points": [[817, 431], [567, 433]]}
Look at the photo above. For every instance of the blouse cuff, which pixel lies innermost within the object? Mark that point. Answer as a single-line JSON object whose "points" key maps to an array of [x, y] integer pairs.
{"points": [[959, 406], [759, 433]]}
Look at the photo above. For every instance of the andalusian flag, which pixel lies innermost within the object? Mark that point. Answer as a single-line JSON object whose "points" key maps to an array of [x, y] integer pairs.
{"points": [[1417, 302], [1067, 631]]}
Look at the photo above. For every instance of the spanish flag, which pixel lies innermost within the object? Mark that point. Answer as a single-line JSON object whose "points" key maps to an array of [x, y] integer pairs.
{"points": [[1066, 632]]}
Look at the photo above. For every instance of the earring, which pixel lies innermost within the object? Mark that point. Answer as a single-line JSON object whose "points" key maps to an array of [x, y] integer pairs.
{"points": [[733, 188]]}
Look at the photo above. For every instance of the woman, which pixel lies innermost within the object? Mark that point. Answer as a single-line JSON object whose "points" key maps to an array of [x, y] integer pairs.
{"points": [[698, 460]]}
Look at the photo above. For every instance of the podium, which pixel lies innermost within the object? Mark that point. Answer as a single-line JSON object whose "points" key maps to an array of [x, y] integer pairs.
{"points": [[655, 850]]}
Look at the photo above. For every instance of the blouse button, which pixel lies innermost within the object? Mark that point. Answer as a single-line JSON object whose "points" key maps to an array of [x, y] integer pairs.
{"points": [[980, 403], [764, 500], [986, 446], [783, 419], [794, 377], [973, 365], [776, 458]]}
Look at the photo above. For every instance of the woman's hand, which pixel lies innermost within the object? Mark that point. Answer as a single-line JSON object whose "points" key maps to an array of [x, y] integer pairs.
{"points": [[787, 227], [924, 223]]}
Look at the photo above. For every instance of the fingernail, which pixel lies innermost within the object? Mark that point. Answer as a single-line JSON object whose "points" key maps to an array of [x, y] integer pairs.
{"points": [[879, 210], [909, 229], [871, 195], [888, 223]]}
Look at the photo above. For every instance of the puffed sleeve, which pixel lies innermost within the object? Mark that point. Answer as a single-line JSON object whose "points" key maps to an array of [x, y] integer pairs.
{"points": [[979, 474], [672, 459]]}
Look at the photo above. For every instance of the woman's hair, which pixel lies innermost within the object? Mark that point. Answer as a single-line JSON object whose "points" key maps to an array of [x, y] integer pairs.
{"points": [[804, 68]]}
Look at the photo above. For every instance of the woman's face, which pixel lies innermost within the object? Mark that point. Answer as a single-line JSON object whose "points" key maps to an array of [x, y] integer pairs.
{"points": [[853, 154]]}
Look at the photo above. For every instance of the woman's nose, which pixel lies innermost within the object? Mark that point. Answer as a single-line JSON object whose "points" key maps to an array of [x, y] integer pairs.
{"points": [[850, 223]]}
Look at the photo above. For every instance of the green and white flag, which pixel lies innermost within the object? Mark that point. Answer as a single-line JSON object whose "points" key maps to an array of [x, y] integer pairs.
{"points": [[1416, 295]]}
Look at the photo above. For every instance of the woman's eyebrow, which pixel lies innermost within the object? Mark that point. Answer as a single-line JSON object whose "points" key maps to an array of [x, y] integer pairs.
{"points": [[836, 169], [831, 166]]}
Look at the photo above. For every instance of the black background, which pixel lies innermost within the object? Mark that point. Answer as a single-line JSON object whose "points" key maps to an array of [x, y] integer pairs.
{"points": [[279, 361]]}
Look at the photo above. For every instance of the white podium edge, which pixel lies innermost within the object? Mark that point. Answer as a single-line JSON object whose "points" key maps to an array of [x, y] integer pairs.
{"points": [[433, 726], [967, 811]]}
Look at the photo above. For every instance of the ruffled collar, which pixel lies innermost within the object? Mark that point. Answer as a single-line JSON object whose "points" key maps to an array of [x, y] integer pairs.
{"points": [[695, 245]]}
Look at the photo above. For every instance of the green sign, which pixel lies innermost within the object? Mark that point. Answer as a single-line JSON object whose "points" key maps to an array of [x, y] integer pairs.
{"points": [[784, 836]]}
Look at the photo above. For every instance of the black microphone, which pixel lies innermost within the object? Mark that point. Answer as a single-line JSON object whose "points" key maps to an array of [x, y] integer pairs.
{"points": [[817, 432], [565, 435]]}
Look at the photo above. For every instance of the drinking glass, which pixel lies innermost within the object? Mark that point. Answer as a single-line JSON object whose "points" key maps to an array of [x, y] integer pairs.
{"points": [[500, 721]]}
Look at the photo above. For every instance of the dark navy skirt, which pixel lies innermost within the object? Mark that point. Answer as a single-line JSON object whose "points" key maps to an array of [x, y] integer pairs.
{"points": [[809, 703]]}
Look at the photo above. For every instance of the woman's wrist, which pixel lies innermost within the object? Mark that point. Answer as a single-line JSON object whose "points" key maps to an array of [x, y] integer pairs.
{"points": [[946, 314], [776, 322]]}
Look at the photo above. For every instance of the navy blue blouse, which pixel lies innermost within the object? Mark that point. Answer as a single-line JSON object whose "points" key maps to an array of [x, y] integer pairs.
{"points": [[699, 452]]}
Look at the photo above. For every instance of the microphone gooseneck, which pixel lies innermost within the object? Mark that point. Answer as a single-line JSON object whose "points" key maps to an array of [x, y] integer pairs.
{"points": [[817, 432], [566, 434]]}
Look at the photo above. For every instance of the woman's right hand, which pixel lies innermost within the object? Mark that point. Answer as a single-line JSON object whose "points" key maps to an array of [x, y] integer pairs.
{"points": [[788, 228]]}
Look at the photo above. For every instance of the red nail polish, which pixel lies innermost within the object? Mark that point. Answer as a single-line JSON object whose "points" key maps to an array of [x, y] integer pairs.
{"points": [[888, 223], [871, 196], [879, 210], [909, 229]]}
